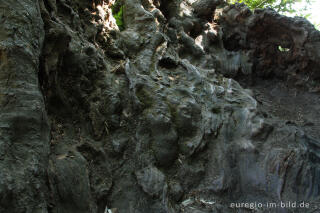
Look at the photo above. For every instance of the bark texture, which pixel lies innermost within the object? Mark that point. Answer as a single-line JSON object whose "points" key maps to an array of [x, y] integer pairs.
{"points": [[24, 128], [194, 105]]}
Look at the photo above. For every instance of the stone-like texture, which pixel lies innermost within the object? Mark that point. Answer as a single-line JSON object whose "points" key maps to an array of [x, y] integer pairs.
{"points": [[262, 35], [204, 8], [24, 129], [148, 119], [151, 180], [68, 177]]}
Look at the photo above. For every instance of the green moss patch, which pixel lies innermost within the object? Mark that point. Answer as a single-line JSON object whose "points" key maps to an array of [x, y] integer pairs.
{"points": [[117, 12]]}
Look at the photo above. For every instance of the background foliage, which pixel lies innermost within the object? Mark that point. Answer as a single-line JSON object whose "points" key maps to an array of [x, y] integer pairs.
{"points": [[278, 5], [117, 12], [286, 7]]}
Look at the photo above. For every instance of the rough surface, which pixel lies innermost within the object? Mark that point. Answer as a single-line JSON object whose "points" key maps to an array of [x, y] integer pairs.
{"points": [[194, 105], [24, 129]]}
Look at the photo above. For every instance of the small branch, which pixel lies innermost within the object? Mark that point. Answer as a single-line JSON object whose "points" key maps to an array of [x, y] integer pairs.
{"points": [[262, 3]]}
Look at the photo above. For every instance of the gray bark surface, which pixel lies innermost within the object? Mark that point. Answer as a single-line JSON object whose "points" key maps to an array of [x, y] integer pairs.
{"points": [[192, 107]]}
